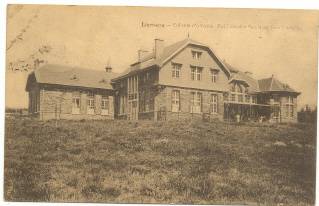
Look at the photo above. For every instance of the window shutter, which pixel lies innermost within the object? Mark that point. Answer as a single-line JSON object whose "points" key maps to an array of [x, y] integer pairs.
{"points": [[220, 105], [98, 102], [83, 103]]}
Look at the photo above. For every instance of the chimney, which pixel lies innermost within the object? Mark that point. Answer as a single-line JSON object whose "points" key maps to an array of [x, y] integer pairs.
{"points": [[108, 67], [141, 55], [159, 47]]}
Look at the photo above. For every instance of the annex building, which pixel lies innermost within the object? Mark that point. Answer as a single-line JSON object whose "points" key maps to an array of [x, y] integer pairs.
{"points": [[185, 80]]}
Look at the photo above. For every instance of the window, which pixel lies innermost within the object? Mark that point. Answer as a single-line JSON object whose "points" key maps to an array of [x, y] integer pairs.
{"points": [[196, 73], [289, 107], [214, 75], [254, 99], [103, 81], [196, 55], [175, 101], [105, 104], [76, 100], [239, 89], [90, 103], [233, 97], [240, 98], [276, 99], [233, 88], [132, 88], [176, 70], [213, 103], [275, 110], [74, 78], [247, 98], [237, 93], [123, 83], [196, 102]]}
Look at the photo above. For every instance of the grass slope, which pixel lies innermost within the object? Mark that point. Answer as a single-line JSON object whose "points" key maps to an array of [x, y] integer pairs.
{"points": [[180, 162]]}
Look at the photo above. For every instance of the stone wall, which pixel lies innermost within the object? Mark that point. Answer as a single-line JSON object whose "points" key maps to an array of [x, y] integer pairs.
{"points": [[57, 104], [163, 105]]}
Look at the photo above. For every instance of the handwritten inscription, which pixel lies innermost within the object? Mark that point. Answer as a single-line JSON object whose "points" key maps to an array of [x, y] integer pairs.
{"points": [[221, 26]]}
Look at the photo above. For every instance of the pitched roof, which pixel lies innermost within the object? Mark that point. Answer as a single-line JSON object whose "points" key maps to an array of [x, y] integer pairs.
{"points": [[241, 76], [273, 84], [254, 87], [168, 52], [230, 67], [70, 76]]}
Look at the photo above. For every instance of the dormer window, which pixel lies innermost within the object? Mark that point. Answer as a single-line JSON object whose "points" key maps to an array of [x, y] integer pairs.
{"points": [[74, 78], [196, 54], [286, 86], [103, 81]]}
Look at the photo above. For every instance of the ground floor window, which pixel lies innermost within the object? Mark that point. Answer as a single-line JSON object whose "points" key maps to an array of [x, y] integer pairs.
{"points": [[105, 104], [175, 101], [90, 103], [76, 102], [213, 103], [196, 102], [289, 111], [289, 107], [276, 111]]}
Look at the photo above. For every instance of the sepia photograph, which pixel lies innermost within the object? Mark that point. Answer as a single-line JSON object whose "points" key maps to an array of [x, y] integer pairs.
{"points": [[160, 105]]}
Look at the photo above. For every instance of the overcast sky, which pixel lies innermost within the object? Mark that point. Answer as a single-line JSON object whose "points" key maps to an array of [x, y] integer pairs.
{"points": [[268, 42]]}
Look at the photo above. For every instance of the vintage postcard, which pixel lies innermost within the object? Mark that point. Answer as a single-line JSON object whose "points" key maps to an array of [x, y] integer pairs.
{"points": [[119, 104]]}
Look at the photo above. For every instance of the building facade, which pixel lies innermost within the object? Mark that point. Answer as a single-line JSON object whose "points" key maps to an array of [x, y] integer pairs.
{"points": [[58, 92], [185, 80]]}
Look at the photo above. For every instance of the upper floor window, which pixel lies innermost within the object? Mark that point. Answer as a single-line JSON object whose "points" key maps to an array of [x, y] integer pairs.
{"points": [[254, 99], [239, 89], [233, 97], [196, 102], [233, 88], [213, 103], [214, 73], [196, 55], [175, 101], [196, 73], [240, 98], [237, 93], [247, 98], [132, 87], [176, 70]]}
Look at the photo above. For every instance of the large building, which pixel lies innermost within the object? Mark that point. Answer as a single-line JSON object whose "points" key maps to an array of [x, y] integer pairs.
{"points": [[185, 80]]}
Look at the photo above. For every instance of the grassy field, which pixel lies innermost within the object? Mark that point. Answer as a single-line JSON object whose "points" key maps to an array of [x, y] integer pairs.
{"points": [[180, 162]]}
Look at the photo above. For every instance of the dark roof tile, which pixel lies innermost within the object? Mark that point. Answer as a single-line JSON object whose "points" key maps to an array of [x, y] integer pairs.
{"points": [[70, 76]]}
